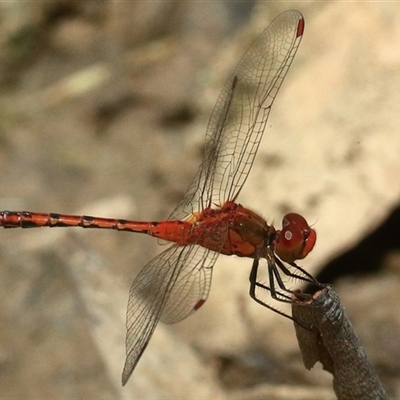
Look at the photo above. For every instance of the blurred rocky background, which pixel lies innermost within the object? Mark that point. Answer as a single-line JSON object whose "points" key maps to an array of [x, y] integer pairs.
{"points": [[103, 111]]}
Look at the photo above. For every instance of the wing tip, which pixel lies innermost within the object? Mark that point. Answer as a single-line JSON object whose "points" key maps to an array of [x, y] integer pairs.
{"points": [[130, 365]]}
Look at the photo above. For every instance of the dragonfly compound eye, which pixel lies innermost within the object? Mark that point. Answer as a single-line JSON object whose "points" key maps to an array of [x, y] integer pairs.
{"points": [[296, 239]]}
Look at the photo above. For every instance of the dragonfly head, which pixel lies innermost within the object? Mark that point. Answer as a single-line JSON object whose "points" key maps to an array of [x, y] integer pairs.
{"points": [[296, 239]]}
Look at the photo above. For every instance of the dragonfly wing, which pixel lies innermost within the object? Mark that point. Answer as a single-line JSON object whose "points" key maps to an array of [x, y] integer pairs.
{"points": [[239, 118], [165, 277], [146, 299], [192, 285]]}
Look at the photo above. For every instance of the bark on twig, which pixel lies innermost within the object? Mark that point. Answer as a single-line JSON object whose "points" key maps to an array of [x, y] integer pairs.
{"points": [[332, 341]]}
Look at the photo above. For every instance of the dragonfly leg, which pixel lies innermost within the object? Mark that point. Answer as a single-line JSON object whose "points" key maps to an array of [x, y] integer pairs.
{"points": [[254, 284], [306, 278], [274, 293], [310, 279], [273, 274]]}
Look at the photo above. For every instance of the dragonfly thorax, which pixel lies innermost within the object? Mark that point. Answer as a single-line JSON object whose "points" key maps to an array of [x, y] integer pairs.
{"points": [[233, 230]]}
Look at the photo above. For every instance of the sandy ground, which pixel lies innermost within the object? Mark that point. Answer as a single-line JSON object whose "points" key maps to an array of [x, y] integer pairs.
{"points": [[103, 110]]}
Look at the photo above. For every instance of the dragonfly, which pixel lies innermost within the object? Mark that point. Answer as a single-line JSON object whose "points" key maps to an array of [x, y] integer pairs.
{"points": [[209, 221]]}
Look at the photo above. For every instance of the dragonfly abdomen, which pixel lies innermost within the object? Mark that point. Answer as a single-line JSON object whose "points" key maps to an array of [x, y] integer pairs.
{"points": [[27, 219], [173, 231]]}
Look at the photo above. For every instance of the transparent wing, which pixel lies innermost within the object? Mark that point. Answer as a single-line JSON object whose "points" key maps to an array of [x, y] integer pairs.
{"points": [[170, 287], [192, 285], [239, 118]]}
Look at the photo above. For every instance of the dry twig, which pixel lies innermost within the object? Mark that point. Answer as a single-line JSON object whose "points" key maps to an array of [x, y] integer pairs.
{"points": [[332, 341]]}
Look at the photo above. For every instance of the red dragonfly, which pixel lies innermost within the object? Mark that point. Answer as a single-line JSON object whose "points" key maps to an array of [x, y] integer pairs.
{"points": [[208, 221]]}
